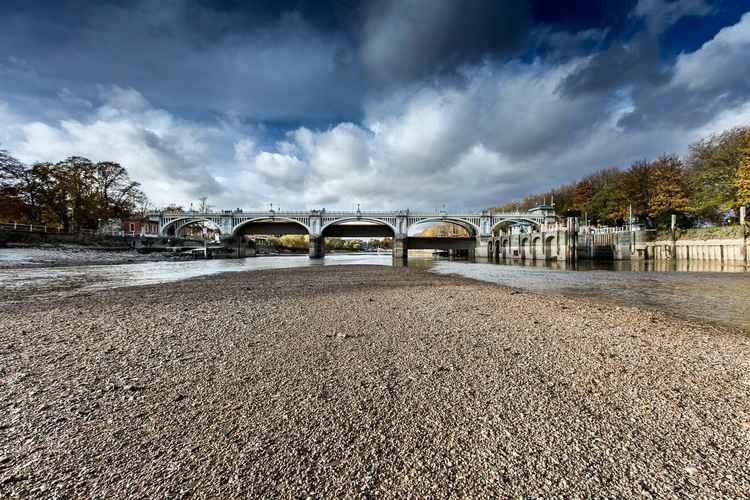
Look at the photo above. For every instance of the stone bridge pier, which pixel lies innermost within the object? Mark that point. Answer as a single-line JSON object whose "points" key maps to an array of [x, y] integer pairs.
{"points": [[317, 247]]}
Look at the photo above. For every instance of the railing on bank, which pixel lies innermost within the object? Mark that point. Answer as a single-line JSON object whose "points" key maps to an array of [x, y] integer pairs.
{"points": [[132, 234], [608, 229], [43, 228], [32, 228]]}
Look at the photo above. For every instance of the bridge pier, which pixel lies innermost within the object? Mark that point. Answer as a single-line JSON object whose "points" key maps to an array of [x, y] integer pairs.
{"points": [[400, 249], [482, 247], [317, 247]]}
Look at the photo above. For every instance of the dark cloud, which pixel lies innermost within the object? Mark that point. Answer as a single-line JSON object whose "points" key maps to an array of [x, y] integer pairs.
{"points": [[703, 84], [185, 55], [403, 40], [637, 62]]}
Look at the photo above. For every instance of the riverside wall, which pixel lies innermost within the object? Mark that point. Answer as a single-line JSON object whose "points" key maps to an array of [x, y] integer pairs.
{"points": [[38, 238], [676, 245], [723, 250]]}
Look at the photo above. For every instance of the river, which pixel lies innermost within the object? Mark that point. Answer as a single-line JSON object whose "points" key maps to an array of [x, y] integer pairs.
{"points": [[701, 291]]}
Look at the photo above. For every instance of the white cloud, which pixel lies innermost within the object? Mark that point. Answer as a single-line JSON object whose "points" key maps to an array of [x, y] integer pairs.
{"points": [[661, 14], [175, 160], [720, 62]]}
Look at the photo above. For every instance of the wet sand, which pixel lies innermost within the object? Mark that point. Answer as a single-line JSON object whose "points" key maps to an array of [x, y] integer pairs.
{"points": [[365, 381]]}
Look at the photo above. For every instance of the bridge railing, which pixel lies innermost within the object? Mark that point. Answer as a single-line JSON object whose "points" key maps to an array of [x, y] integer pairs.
{"points": [[329, 213]]}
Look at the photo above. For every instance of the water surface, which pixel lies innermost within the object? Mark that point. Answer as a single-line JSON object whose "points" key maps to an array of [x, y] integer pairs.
{"points": [[708, 291], [698, 290]]}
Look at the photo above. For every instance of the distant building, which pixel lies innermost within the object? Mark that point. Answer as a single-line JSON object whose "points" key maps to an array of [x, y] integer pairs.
{"points": [[136, 226]]}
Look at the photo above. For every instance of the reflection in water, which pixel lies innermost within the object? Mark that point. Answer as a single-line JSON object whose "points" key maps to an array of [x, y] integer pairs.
{"points": [[626, 265], [99, 277], [718, 293]]}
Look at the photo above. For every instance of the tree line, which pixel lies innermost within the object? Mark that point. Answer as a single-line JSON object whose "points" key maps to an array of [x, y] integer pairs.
{"points": [[301, 243], [74, 193], [706, 187]]}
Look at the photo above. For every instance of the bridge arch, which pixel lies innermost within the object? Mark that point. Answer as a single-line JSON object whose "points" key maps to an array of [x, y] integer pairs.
{"points": [[181, 222], [472, 228], [270, 220], [537, 247], [523, 247], [550, 247], [370, 220], [515, 220]]}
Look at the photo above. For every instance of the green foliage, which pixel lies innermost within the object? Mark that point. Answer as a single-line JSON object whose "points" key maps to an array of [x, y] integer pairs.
{"points": [[347, 245], [296, 242], [711, 170], [742, 176]]}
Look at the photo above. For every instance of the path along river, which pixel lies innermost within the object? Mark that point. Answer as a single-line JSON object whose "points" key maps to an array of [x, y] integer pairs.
{"points": [[701, 291]]}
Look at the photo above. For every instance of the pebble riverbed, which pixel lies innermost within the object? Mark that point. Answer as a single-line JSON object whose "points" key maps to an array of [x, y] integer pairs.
{"points": [[365, 381]]}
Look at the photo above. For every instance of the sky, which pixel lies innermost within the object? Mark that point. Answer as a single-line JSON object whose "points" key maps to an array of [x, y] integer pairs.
{"points": [[389, 104]]}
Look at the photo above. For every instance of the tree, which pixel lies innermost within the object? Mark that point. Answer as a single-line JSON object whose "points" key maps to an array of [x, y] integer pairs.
{"points": [[669, 196], [742, 176], [609, 204], [11, 170], [583, 193], [118, 195], [444, 229], [12, 206], [637, 183], [74, 193], [174, 209], [711, 170]]}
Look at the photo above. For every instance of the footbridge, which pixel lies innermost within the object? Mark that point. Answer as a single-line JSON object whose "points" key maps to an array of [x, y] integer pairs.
{"points": [[319, 224]]}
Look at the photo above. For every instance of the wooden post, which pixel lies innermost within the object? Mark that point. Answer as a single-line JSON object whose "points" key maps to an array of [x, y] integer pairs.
{"points": [[674, 237], [744, 227]]}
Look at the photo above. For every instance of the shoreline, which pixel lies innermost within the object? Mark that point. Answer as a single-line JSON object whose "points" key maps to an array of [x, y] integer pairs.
{"points": [[349, 380], [117, 256]]}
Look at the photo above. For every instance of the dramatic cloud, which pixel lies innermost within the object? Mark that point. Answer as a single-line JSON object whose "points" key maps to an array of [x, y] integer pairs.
{"points": [[182, 55], [390, 105], [703, 84], [174, 159], [415, 38]]}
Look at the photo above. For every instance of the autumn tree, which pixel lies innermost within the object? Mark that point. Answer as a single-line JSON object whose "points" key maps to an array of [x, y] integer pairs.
{"points": [[637, 184], [443, 230], [742, 176], [74, 193], [118, 195], [669, 193], [711, 169], [12, 208]]}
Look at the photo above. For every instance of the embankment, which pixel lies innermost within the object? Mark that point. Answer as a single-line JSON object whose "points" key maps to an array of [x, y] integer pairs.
{"points": [[30, 239]]}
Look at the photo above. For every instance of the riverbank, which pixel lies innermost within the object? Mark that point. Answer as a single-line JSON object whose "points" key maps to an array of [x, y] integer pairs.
{"points": [[40, 256], [333, 381], [60, 255]]}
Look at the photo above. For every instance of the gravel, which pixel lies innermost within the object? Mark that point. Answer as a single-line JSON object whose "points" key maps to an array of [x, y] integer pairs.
{"points": [[365, 381]]}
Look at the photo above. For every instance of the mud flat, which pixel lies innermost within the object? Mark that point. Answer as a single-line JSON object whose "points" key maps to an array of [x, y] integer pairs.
{"points": [[69, 255], [365, 381]]}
